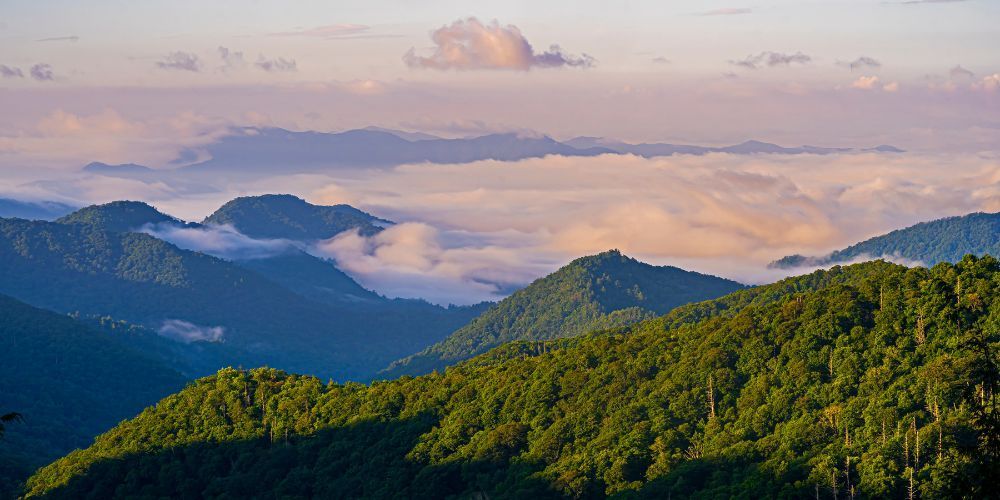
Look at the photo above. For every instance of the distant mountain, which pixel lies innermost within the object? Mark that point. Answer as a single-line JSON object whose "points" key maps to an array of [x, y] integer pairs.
{"points": [[285, 216], [259, 150], [34, 210], [872, 380], [119, 216], [410, 136], [124, 169], [941, 240], [70, 382], [601, 291], [650, 150], [197, 298]]}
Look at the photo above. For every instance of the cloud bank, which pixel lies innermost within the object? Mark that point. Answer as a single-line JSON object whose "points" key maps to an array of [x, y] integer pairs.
{"points": [[469, 44], [220, 241], [181, 61]]}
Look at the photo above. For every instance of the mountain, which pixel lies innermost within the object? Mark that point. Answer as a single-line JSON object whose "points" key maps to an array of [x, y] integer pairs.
{"points": [[649, 150], [873, 385], [35, 210], [199, 299], [119, 216], [941, 240], [596, 292], [285, 216], [261, 150], [410, 136], [124, 169], [70, 382]]}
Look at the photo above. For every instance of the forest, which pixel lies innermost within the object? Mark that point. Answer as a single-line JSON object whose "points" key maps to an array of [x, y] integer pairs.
{"points": [[867, 381]]}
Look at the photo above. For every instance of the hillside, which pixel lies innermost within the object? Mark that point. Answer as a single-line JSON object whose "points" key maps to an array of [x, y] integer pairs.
{"points": [[284, 216], [118, 216], [868, 386], [198, 298], [941, 240], [70, 382], [601, 291], [35, 210]]}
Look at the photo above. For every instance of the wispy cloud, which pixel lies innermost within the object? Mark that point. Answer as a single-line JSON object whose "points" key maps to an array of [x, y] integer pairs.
{"points": [[661, 60], [861, 62], [187, 332], [469, 44], [276, 64], [727, 12], [10, 72], [959, 72], [72, 38], [182, 61], [42, 72], [330, 31], [231, 59], [771, 59]]}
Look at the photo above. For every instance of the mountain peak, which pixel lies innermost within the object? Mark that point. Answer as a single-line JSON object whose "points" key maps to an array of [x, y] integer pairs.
{"points": [[118, 216], [274, 216]]}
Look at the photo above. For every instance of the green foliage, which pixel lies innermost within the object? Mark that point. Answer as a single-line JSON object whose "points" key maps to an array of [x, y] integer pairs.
{"points": [[942, 240], [118, 216], [140, 279], [842, 380], [68, 383], [602, 291], [285, 216]]}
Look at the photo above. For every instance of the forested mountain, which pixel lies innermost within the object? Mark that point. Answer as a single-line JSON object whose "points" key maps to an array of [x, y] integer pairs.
{"points": [[877, 381], [600, 291], [286, 216], [195, 297], [69, 382], [941, 240], [119, 216]]}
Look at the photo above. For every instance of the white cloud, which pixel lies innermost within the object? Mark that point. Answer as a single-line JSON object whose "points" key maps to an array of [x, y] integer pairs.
{"points": [[220, 241], [187, 332], [865, 82], [471, 44], [988, 83]]}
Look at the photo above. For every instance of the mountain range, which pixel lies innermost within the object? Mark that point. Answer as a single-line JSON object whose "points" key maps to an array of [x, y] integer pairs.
{"points": [[591, 293], [862, 381], [38, 210], [926, 243], [255, 150]]}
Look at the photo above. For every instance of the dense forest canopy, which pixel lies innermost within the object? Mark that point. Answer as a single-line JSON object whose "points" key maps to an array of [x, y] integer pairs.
{"points": [[286, 216], [600, 291], [869, 381]]}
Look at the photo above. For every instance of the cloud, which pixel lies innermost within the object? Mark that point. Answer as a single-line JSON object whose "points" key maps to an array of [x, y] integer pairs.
{"points": [[891, 87], [277, 64], [182, 61], [917, 2], [861, 62], [727, 12], [328, 32], [988, 83], [72, 38], [468, 44], [230, 59], [221, 241], [661, 60], [417, 260], [42, 72], [10, 72], [187, 332], [959, 72], [771, 59], [865, 83]]}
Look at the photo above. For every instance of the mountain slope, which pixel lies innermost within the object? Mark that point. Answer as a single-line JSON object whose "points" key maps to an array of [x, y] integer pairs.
{"points": [[36, 210], [941, 240], [70, 382], [118, 216], [847, 388], [285, 216], [601, 291]]}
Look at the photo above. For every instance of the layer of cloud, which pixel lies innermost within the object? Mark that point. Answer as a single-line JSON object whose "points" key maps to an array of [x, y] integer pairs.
{"points": [[231, 59], [727, 12], [469, 44], [861, 62], [417, 260], [988, 83], [220, 241], [72, 38], [187, 332], [181, 61], [42, 72], [276, 64], [331, 31], [771, 59], [874, 83]]}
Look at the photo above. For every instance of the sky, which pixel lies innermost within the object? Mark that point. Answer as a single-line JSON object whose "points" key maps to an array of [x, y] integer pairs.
{"points": [[140, 82]]}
